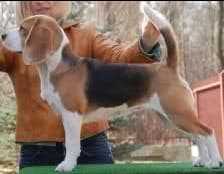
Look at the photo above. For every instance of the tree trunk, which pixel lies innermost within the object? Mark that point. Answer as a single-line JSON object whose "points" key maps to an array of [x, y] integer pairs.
{"points": [[220, 33], [120, 19]]}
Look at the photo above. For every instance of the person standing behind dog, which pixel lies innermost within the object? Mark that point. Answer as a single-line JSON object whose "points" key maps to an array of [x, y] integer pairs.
{"points": [[38, 129]]}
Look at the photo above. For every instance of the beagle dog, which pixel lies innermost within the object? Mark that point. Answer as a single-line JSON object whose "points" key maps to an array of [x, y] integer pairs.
{"points": [[75, 86]]}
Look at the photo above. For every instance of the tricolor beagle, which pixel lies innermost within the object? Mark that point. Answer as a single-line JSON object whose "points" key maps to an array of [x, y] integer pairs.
{"points": [[75, 86]]}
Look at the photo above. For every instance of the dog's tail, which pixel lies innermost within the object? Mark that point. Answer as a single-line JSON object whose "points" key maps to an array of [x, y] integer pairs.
{"points": [[167, 32]]}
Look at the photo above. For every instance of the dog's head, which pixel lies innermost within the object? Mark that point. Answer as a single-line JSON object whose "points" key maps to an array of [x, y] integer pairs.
{"points": [[37, 38]]}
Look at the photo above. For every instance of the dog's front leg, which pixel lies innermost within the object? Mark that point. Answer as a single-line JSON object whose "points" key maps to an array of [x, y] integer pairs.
{"points": [[72, 127]]}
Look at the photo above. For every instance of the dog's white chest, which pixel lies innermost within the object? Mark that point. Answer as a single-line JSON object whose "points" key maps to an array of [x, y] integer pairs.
{"points": [[48, 92], [52, 98]]}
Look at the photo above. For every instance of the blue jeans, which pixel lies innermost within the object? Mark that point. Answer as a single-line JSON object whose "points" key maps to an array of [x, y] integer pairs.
{"points": [[94, 150]]}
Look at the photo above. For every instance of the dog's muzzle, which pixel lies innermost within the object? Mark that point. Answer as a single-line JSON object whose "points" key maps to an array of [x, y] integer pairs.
{"points": [[12, 40]]}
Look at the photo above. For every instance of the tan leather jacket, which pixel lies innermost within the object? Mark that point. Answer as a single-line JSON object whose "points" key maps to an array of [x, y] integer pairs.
{"points": [[35, 121]]}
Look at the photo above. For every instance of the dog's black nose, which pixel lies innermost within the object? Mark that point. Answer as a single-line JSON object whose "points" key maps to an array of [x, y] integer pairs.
{"points": [[3, 36]]}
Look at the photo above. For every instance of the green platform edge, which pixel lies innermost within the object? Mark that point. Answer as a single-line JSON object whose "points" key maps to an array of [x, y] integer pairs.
{"points": [[152, 168]]}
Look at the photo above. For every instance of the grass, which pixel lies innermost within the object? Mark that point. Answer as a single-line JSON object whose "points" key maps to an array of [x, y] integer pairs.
{"points": [[153, 168]]}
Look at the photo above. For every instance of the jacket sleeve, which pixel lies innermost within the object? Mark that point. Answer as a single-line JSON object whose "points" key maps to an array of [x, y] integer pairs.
{"points": [[114, 52], [6, 59]]}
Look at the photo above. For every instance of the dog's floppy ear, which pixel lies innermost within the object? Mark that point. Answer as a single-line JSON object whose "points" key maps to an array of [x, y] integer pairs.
{"points": [[41, 41]]}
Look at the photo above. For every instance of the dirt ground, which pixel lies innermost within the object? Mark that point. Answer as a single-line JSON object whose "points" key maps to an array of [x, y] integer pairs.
{"points": [[8, 153], [8, 149]]}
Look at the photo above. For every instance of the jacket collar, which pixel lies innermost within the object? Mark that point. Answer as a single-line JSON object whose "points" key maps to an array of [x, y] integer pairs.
{"points": [[68, 23]]}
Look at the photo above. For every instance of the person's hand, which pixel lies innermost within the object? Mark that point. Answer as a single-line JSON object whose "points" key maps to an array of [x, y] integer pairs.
{"points": [[150, 36]]}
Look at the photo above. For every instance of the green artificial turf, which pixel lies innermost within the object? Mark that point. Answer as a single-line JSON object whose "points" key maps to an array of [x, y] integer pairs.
{"points": [[153, 168]]}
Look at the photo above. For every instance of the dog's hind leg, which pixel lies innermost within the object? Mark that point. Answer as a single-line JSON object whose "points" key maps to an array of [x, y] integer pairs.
{"points": [[212, 147], [186, 122], [208, 150], [204, 138], [213, 151], [204, 159], [193, 133]]}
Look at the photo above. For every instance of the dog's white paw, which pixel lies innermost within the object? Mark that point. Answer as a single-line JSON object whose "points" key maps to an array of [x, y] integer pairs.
{"points": [[215, 164], [201, 163], [66, 166], [208, 163]]}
